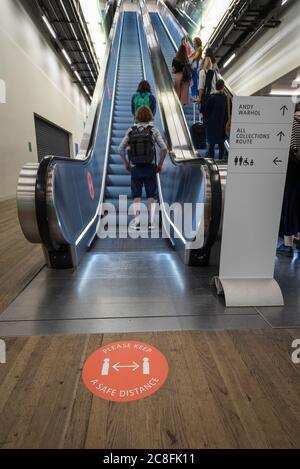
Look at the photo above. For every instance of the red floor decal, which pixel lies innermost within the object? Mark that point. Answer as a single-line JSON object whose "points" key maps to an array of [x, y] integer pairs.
{"points": [[125, 371]]}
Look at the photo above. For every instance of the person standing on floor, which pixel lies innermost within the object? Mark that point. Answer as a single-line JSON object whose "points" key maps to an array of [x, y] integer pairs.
{"points": [[196, 61], [290, 215], [143, 97], [180, 66], [216, 115]]}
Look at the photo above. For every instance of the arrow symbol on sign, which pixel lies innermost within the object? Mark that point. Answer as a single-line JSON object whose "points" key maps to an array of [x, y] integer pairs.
{"points": [[280, 135], [283, 109], [117, 366], [276, 161]]}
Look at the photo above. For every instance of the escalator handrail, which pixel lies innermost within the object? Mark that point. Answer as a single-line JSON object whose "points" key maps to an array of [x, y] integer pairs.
{"points": [[216, 203], [187, 145], [45, 164], [110, 123], [141, 49], [170, 13]]}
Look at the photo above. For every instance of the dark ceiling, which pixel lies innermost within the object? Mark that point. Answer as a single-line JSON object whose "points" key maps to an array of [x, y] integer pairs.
{"points": [[244, 21], [66, 19]]}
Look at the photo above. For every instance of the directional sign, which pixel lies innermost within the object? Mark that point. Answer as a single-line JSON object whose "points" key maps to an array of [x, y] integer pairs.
{"points": [[277, 161], [280, 135], [262, 136], [256, 109], [283, 109], [257, 163], [125, 371]]}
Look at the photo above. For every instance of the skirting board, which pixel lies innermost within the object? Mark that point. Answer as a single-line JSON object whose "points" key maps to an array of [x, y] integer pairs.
{"points": [[249, 292]]}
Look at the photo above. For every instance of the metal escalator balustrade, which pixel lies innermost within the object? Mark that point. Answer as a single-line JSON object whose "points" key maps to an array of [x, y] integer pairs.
{"points": [[56, 205]]}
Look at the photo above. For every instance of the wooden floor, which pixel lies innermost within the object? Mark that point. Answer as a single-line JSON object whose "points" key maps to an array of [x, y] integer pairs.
{"points": [[19, 259], [236, 389]]}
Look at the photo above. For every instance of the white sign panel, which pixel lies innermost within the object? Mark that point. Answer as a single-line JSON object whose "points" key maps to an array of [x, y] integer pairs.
{"points": [[262, 161], [259, 150], [262, 110], [263, 136]]}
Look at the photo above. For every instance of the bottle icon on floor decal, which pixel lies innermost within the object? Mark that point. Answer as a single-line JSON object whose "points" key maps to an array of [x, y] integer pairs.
{"points": [[105, 367], [146, 366]]}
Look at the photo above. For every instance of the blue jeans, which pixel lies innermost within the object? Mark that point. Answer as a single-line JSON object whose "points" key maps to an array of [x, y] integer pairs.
{"points": [[194, 87]]}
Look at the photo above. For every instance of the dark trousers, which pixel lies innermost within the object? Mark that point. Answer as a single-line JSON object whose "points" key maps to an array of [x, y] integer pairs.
{"points": [[212, 150]]}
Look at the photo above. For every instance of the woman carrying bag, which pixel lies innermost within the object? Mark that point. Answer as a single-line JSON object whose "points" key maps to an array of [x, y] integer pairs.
{"points": [[183, 74]]}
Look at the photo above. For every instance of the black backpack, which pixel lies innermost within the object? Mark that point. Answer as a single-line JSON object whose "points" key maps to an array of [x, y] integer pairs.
{"points": [[207, 89], [187, 73], [141, 145], [208, 84]]}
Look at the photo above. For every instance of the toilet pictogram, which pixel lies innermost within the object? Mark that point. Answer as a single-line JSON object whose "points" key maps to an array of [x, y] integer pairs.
{"points": [[241, 161], [125, 371]]}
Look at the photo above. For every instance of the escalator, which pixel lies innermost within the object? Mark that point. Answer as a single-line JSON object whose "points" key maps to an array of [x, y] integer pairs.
{"points": [[60, 203], [130, 65]]}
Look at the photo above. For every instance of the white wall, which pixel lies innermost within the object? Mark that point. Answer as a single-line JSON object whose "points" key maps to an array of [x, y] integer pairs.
{"points": [[37, 81], [212, 13], [269, 58]]}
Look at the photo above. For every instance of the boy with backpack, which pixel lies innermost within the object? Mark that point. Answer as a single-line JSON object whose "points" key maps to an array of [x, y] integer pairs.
{"points": [[142, 162], [143, 97]]}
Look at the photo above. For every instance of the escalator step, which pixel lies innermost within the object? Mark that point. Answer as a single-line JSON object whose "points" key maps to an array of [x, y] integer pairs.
{"points": [[114, 191], [117, 169], [118, 179], [121, 180]]}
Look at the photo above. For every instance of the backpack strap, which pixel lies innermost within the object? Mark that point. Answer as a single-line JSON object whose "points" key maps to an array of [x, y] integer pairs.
{"points": [[153, 142], [134, 127], [208, 85]]}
